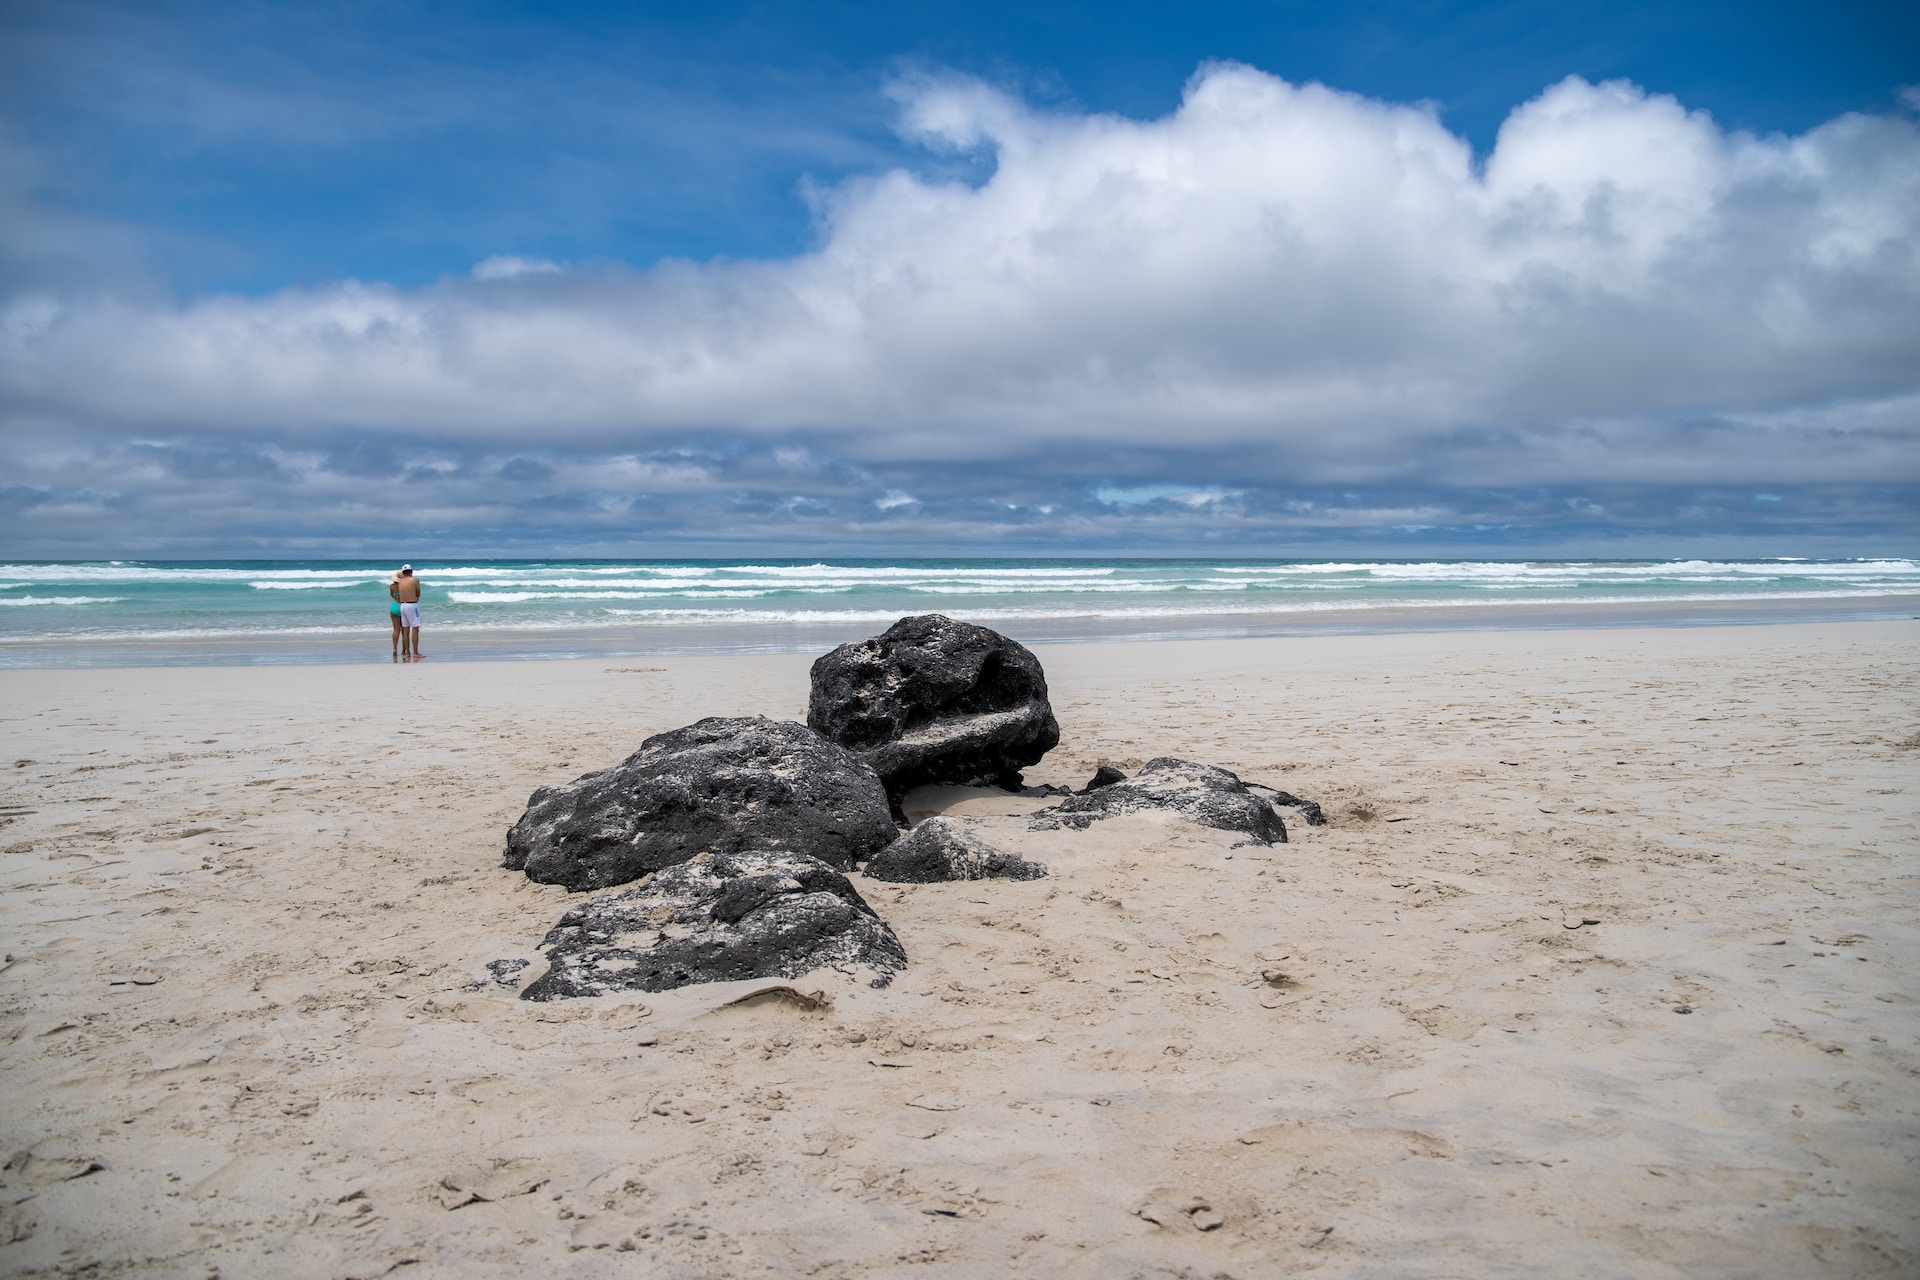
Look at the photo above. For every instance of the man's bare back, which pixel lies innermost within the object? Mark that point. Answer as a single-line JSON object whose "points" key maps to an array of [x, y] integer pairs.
{"points": [[407, 591]]}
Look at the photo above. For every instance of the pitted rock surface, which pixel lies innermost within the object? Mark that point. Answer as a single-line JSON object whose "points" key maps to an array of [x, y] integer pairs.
{"points": [[722, 786], [947, 849], [1201, 793], [932, 700], [718, 917]]}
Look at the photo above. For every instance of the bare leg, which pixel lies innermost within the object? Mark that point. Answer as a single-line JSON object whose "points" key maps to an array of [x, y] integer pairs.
{"points": [[415, 636], [396, 633]]}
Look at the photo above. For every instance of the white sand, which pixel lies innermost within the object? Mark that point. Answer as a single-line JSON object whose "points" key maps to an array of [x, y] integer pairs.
{"points": [[297, 869]]}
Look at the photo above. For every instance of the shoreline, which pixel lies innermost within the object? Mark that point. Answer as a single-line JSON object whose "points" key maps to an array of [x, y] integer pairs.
{"points": [[539, 644]]}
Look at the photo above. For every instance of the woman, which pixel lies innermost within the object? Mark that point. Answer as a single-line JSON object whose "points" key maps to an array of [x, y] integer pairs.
{"points": [[393, 589]]}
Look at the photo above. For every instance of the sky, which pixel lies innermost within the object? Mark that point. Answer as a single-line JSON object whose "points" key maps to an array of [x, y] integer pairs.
{"points": [[1436, 278]]}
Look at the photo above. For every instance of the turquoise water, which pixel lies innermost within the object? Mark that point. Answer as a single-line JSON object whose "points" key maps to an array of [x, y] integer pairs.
{"points": [[290, 611]]}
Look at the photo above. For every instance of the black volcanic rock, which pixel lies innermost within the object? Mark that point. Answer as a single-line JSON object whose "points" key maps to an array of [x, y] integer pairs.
{"points": [[720, 786], [1200, 793], [1309, 809], [945, 849], [1105, 776], [932, 700], [718, 917]]}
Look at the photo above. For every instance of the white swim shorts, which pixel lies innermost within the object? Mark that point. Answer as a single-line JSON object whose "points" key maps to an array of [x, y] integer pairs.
{"points": [[409, 615]]}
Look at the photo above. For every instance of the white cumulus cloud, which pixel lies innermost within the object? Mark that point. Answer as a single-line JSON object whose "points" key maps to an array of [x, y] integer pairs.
{"points": [[1327, 285]]}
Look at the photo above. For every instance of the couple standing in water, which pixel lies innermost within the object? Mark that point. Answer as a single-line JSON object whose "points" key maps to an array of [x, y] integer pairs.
{"points": [[405, 612]]}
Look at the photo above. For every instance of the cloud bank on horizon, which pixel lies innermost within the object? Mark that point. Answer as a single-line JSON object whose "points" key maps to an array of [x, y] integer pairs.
{"points": [[1280, 311]]}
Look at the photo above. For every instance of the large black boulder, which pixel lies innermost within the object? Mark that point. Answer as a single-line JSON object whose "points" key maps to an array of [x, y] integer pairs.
{"points": [[720, 786], [717, 918], [946, 849], [1201, 793], [932, 700]]}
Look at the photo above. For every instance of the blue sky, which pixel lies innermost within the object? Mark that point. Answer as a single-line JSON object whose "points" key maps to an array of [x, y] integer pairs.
{"points": [[1501, 278]]}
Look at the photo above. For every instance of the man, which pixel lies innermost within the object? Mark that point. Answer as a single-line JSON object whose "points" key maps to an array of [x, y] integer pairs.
{"points": [[407, 591]]}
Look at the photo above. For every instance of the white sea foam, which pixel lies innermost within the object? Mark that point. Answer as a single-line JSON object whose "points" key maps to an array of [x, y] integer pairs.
{"points": [[1223, 609], [588, 597], [337, 585], [887, 573], [744, 619], [773, 605], [1148, 575], [31, 600]]}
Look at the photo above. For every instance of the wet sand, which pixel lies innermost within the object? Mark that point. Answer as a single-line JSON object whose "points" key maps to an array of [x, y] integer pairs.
{"points": [[1604, 965]]}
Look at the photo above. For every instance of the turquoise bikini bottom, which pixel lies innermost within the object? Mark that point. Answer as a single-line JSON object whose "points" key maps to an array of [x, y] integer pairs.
{"points": [[395, 610]]}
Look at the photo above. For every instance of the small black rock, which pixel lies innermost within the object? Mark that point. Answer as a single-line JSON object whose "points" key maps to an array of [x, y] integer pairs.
{"points": [[1200, 793], [506, 973], [945, 849], [1309, 810]]}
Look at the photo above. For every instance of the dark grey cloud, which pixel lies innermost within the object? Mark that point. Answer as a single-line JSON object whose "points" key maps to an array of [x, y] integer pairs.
{"points": [[218, 498]]}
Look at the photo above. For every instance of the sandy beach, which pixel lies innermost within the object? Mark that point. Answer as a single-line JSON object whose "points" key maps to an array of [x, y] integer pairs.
{"points": [[1605, 964]]}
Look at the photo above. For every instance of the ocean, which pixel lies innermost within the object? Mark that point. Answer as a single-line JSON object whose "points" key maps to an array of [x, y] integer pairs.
{"points": [[118, 613]]}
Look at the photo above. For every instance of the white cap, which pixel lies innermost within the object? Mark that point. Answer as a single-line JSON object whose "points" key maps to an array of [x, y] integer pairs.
{"points": [[406, 568]]}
